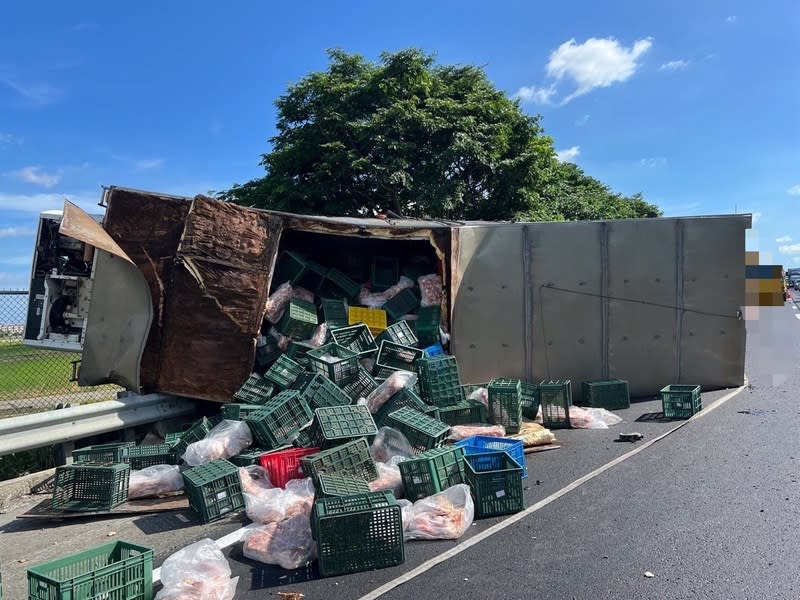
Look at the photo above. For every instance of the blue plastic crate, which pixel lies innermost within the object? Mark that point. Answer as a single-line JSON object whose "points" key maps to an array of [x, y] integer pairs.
{"points": [[478, 444]]}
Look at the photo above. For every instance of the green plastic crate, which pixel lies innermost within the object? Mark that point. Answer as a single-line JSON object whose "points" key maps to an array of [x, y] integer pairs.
{"points": [[465, 412], [248, 457], [172, 438], [256, 390], [352, 458], [103, 453], [115, 571], [399, 333], [330, 484], [214, 489], [385, 272], [196, 432], [298, 352], [529, 399], [495, 482], [279, 420], [429, 319], [423, 432], [334, 425], [299, 319], [680, 401], [313, 276], [405, 302], [361, 386], [611, 394], [357, 533], [402, 398], [505, 404], [432, 471], [239, 412], [397, 356], [334, 312], [319, 391], [140, 457], [335, 362], [90, 487], [555, 398], [382, 372], [439, 381], [356, 338], [267, 352], [289, 267], [336, 284], [283, 373]]}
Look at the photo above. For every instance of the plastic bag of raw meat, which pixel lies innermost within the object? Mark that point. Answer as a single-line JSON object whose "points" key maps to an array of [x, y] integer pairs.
{"points": [[302, 293], [462, 432], [481, 395], [390, 442], [156, 480], [320, 335], [393, 384], [287, 543], [443, 516], [277, 302], [389, 477], [591, 418], [402, 284], [197, 572], [372, 300], [430, 290], [255, 479], [276, 504], [226, 439]]}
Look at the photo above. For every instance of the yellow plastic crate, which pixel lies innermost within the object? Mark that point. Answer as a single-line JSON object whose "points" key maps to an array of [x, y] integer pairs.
{"points": [[374, 318]]}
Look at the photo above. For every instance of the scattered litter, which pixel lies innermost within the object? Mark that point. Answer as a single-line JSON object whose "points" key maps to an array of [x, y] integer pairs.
{"points": [[648, 574], [534, 434], [629, 437], [290, 596], [111, 534]]}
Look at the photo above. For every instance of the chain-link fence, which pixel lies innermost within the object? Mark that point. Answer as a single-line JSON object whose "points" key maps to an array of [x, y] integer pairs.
{"points": [[35, 379]]}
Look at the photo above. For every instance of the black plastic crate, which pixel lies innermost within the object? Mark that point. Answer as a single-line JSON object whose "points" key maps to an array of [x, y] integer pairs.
{"points": [[329, 485], [465, 412], [505, 404], [90, 488], [351, 458], [298, 352], [357, 533], [555, 398], [279, 420], [611, 394], [439, 381], [385, 272], [289, 267], [529, 399], [405, 302], [495, 482], [140, 457], [403, 398], [313, 276], [429, 319], [284, 372], [361, 386], [356, 338], [336, 284], [681, 401], [319, 391], [334, 312], [335, 362], [335, 425], [399, 333], [423, 432], [432, 471], [214, 489], [267, 352], [255, 390], [397, 356], [299, 319]]}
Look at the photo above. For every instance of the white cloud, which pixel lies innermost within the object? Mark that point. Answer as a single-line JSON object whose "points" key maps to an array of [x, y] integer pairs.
{"points": [[674, 65], [534, 94], [784, 239], [16, 260], [37, 95], [149, 163], [9, 138], [36, 175], [651, 163], [789, 249], [35, 203], [583, 120], [597, 63], [7, 232], [568, 154], [731, 19], [794, 190]]}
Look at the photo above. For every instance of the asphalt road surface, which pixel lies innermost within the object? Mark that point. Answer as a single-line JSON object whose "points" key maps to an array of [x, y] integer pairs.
{"points": [[711, 510]]}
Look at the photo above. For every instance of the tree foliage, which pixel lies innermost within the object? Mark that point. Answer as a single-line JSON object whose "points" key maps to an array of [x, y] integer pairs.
{"points": [[422, 140]]}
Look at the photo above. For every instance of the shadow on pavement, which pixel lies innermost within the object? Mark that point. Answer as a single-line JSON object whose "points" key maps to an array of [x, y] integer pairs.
{"points": [[271, 576], [161, 523]]}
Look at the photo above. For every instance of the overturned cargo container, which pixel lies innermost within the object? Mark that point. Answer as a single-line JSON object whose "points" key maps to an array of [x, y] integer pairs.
{"points": [[652, 301]]}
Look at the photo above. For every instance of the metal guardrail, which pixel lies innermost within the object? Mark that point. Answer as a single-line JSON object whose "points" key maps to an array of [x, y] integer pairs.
{"points": [[68, 424]]}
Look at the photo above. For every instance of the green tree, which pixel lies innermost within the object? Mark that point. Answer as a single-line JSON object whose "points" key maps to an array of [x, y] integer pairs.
{"points": [[419, 139]]}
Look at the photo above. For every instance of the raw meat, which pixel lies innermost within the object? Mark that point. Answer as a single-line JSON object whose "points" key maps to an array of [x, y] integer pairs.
{"points": [[430, 288], [389, 478], [255, 479], [462, 432], [443, 516], [480, 395], [277, 302], [389, 443], [303, 294], [197, 572], [276, 504], [287, 543], [402, 284], [365, 298], [227, 439], [320, 335], [156, 480], [393, 384]]}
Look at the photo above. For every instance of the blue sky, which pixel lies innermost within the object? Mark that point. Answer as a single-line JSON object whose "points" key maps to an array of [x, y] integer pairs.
{"points": [[694, 104]]}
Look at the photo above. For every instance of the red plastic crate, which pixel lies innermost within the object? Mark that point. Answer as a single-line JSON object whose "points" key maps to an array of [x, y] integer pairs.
{"points": [[285, 465]]}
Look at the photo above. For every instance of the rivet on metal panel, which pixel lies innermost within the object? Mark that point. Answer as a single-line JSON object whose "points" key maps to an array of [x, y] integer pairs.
{"points": [[581, 341]]}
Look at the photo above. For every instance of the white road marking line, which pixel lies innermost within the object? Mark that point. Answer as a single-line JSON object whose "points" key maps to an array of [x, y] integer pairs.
{"points": [[426, 566], [797, 315]]}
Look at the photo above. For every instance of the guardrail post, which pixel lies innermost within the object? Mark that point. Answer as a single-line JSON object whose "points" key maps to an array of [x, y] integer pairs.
{"points": [[64, 453]]}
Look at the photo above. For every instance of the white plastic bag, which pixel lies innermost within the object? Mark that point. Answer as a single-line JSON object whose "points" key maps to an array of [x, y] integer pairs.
{"points": [[462, 432], [287, 543], [255, 479], [591, 418], [390, 442], [443, 516], [277, 302], [389, 477], [393, 384], [226, 439], [481, 395], [376, 300], [402, 284], [156, 480], [197, 572], [276, 504], [320, 335]]}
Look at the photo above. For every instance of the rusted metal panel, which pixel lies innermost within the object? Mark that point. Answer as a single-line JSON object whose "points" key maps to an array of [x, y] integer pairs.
{"points": [[148, 227], [217, 298]]}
